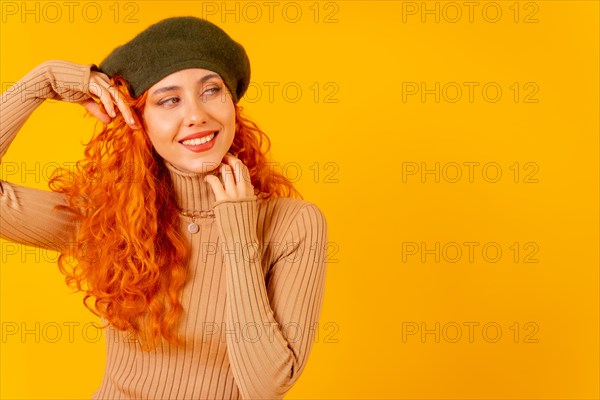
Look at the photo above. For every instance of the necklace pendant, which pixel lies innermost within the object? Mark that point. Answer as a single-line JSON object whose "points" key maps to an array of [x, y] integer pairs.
{"points": [[193, 228]]}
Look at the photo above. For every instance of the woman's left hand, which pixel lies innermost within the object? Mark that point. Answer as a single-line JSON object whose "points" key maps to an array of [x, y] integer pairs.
{"points": [[236, 180]]}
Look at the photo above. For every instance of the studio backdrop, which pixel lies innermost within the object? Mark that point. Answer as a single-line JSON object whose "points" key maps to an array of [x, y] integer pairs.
{"points": [[452, 147]]}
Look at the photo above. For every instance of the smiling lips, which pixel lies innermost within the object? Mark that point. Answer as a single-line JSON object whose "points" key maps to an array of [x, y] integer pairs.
{"points": [[200, 141]]}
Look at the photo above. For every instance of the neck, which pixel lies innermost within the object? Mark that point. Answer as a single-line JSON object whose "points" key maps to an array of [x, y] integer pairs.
{"points": [[191, 192]]}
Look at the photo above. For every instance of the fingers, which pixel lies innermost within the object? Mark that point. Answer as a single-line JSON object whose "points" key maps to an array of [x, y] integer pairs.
{"points": [[125, 110], [228, 179], [101, 87], [217, 188], [236, 182], [96, 111], [240, 173]]}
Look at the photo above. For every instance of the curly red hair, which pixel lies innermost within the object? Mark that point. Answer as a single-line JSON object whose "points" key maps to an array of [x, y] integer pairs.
{"points": [[129, 256]]}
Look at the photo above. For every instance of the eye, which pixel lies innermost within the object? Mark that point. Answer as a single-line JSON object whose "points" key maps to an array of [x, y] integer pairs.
{"points": [[211, 90], [168, 101]]}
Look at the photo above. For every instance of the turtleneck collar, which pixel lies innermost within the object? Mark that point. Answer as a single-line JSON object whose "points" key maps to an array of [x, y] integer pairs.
{"points": [[191, 192]]}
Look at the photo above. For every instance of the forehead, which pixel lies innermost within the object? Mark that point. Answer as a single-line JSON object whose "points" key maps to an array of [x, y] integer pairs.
{"points": [[189, 76]]}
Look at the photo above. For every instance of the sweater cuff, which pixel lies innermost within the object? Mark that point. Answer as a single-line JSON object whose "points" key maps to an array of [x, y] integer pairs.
{"points": [[68, 81], [237, 220], [238, 200]]}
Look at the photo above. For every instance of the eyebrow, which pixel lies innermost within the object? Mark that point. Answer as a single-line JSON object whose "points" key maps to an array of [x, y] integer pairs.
{"points": [[169, 88]]}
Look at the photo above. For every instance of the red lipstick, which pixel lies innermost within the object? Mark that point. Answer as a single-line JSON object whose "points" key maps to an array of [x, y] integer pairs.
{"points": [[195, 144]]}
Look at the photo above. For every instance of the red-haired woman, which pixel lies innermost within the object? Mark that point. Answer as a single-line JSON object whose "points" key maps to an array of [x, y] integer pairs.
{"points": [[206, 270]]}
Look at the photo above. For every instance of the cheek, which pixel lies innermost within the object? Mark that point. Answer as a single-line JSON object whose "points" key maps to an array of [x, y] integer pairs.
{"points": [[227, 116], [159, 127], [230, 126]]}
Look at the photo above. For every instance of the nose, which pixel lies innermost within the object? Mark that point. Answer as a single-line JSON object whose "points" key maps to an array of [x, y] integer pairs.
{"points": [[195, 113]]}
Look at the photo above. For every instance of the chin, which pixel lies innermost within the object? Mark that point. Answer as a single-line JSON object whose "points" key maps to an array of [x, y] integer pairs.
{"points": [[199, 167]]}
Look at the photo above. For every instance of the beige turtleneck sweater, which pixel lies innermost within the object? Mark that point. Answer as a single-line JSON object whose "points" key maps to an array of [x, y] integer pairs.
{"points": [[251, 311]]}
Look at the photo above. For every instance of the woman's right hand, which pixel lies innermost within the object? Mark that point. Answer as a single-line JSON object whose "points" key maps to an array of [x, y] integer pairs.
{"points": [[102, 89]]}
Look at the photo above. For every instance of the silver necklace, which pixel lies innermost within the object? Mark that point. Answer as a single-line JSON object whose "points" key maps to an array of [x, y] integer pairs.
{"points": [[193, 227]]}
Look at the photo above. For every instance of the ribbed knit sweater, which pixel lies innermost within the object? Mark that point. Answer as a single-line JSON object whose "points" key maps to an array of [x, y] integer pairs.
{"points": [[256, 274]]}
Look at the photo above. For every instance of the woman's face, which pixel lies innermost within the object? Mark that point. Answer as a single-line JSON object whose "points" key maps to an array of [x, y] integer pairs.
{"points": [[190, 119]]}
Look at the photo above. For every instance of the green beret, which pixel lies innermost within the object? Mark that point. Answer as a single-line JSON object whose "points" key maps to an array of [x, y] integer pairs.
{"points": [[179, 43]]}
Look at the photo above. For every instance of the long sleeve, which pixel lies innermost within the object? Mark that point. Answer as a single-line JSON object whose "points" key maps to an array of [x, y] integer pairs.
{"points": [[28, 216], [276, 320]]}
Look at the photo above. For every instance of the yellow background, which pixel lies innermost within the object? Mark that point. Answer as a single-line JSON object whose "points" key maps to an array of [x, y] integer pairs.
{"points": [[360, 131]]}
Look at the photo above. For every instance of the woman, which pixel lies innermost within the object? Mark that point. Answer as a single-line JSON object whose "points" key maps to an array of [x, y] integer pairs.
{"points": [[207, 273]]}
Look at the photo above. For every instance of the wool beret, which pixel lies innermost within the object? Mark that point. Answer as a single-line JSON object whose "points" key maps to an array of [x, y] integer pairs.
{"points": [[179, 43]]}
